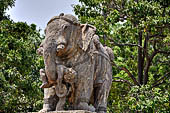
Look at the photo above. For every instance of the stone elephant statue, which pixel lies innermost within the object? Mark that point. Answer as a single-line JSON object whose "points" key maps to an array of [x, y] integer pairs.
{"points": [[71, 45]]}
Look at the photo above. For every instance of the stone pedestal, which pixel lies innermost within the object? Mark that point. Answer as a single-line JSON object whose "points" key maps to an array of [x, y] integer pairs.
{"points": [[71, 111]]}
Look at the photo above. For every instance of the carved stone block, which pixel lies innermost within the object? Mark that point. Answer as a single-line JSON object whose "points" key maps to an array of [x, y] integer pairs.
{"points": [[72, 111], [77, 66]]}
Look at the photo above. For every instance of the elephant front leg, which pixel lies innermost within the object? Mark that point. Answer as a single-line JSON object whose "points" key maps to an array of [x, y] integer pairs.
{"points": [[50, 100], [61, 92], [83, 93]]}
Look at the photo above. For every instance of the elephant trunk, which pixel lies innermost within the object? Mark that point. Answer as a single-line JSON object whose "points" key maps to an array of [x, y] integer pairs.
{"points": [[50, 62], [52, 47]]}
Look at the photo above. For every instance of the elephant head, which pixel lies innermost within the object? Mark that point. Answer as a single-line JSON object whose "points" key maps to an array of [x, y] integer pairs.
{"points": [[57, 42]]}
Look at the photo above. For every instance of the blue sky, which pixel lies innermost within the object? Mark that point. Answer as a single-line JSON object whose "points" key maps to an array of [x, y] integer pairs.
{"points": [[40, 11]]}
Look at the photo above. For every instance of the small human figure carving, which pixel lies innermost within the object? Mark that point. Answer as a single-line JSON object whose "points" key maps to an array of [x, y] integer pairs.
{"points": [[66, 75]]}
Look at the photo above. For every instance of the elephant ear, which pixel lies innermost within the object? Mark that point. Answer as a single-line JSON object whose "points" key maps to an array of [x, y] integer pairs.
{"points": [[87, 34]]}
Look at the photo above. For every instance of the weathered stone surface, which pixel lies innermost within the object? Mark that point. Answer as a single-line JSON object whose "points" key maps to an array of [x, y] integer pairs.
{"points": [[77, 66], [72, 111]]}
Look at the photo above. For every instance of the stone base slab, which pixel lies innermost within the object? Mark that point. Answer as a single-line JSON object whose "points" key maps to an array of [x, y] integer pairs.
{"points": [[71, 111]]}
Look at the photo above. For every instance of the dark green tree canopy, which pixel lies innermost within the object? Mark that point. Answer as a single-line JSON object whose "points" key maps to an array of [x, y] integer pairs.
{"points": [[139, 33], [19, 67], [140, 27]]}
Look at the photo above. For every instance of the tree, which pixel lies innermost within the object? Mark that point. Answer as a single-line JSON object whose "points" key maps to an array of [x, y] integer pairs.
{"points": [[19, 67], [4, 5], [138, 32]]}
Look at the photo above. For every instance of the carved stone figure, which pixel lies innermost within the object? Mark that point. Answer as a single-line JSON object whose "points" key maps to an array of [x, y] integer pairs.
{"points": [[77, 66]]}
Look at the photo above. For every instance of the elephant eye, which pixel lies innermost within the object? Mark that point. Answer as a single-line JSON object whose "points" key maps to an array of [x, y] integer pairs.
{"points": [[65, 27]]}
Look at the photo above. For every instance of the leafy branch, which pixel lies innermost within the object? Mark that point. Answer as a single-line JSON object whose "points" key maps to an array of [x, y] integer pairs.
{"points": [[121, 80], [123, 44], [129, 74], [158, 82]]}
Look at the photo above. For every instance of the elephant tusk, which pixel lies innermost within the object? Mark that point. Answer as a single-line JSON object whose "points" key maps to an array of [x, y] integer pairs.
{"points": [[60, 47]]}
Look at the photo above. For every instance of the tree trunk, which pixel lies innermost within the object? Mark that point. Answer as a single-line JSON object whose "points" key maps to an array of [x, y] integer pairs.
{"points": [[148, 61], [140, 67]]}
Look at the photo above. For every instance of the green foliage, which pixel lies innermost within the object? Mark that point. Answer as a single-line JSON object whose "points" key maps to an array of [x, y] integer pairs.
{"points": [[139, 33], [4, 5], [147, 99], [19, 67]]}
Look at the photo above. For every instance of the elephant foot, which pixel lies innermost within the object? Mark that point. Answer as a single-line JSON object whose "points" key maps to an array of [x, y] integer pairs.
{"points": [[46, 85], [85, 106], [101, 109], [46, 108], [60, 104], [43, 111], [101, 112]]}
